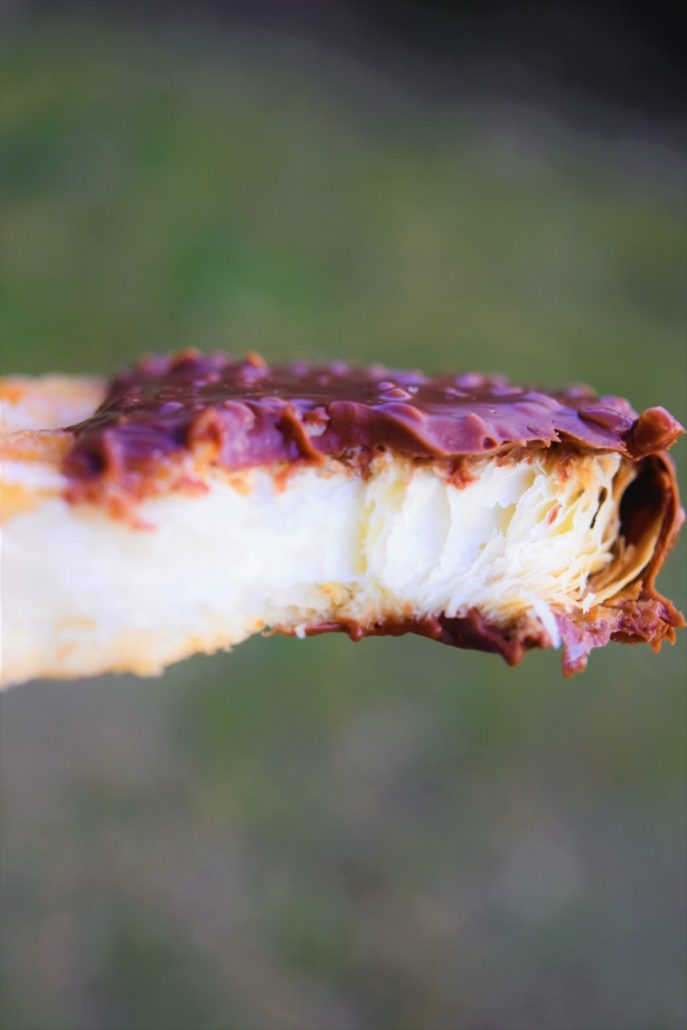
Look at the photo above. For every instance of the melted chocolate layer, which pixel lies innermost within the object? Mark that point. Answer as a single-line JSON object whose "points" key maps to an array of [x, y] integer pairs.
{"points": [[249, 413]]}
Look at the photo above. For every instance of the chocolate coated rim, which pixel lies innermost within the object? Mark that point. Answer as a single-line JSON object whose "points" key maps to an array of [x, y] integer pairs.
{"points": [[251, 414]]}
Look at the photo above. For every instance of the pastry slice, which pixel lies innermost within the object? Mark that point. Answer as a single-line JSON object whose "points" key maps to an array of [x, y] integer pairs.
{"points": [[195, 500]]}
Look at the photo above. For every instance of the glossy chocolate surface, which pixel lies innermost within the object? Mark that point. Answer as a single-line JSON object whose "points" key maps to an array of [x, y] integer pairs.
{"points": [[252, 414]]}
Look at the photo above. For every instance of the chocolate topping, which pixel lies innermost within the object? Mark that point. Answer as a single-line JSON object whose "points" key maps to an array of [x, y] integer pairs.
{"points": [[249, 413]]}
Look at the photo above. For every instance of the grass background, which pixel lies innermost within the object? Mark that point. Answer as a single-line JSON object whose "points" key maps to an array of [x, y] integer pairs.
{"points": [[327, 835]]}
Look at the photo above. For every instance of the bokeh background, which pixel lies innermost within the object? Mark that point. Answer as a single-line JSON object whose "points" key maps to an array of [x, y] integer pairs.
{"points": [[327, 836]]}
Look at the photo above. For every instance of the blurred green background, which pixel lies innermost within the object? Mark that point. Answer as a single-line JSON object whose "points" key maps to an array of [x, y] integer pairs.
{"points": [[388, 835]]}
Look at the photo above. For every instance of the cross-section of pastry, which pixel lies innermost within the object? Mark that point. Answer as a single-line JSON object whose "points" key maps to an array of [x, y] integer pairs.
{"points": [[195, 500]]}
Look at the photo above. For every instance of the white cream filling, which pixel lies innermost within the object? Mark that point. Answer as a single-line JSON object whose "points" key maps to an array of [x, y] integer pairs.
{"points": [[84, 592]]}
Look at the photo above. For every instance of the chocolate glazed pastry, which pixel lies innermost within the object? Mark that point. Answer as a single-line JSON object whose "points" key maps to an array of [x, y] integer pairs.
{"points": [[371, 501]]}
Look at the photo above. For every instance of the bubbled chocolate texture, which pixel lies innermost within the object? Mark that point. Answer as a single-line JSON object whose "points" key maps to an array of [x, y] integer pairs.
{"points": [[254, 414]]}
